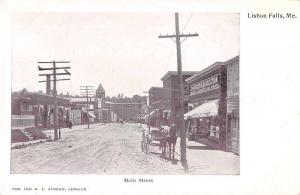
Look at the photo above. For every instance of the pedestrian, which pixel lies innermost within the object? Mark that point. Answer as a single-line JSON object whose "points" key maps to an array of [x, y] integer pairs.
{"points": [[70, 124], [60, 123]]}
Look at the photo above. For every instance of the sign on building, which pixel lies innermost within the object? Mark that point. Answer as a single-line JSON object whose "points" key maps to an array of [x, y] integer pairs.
{"points": [[205, 85]]}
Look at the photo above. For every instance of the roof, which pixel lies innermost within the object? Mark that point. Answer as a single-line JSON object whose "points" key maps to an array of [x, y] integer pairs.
{"points": [[208, 69], [171, 73], [211, 68], [156, 88], [100, 88], [121, 103], [79, 99], [41, 98]]}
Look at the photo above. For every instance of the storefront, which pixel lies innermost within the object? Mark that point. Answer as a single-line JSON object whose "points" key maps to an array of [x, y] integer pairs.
{"points": [[40, 107], [233, 119], [202, 121], [207, 98]]}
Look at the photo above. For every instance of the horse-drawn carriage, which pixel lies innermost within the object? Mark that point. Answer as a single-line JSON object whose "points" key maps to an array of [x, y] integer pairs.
{"points": [[165, 138]]}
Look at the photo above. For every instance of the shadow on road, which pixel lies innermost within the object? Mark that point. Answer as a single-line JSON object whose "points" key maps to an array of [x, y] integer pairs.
{"points": [[155, 153], [174, 161]]}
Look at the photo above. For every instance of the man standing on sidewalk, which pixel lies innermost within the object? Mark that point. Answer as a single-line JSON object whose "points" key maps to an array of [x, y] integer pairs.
{"points": [[60, 121]]}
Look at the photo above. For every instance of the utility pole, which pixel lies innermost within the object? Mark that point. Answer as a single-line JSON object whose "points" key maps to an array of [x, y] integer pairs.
{"points": [[87, 92], [54, 73], [181, 94], [148, 109]]}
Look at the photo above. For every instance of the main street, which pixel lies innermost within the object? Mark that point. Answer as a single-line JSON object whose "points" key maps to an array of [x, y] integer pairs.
{"points": [[113, 149]]}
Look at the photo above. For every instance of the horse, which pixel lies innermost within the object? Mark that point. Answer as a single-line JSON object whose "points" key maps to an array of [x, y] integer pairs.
{"points": [[163, 135], [168, 138]]}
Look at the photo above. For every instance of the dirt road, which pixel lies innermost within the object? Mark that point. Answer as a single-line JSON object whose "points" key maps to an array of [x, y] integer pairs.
{"points": [[102, 149]]}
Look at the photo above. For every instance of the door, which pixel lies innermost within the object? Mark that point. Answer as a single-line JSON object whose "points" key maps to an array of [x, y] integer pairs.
{"points": [[229, 133], [235, 135]]}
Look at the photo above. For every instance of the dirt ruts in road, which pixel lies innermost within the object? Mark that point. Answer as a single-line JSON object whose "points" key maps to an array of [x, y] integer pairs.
{"points": [[102, 149]]}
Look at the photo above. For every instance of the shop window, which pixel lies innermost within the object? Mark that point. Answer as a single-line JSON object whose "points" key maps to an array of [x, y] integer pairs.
{"points": [[214, 131]]}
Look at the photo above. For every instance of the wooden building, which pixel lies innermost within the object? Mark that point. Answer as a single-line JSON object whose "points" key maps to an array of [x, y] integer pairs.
{"points": [[39, 106]]}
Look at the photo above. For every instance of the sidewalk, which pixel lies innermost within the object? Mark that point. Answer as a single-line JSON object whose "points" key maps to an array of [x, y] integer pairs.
{"points": [[204, 159], [49, 133], [24, 144], [207, 160]]}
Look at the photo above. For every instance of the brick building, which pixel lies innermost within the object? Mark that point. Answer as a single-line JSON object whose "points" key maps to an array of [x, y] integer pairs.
{"points": [[171, 94], [156, 94]]}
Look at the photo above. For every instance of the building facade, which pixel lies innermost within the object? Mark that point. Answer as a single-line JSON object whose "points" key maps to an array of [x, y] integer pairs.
{"points": [[38, 107], [124, 111], [156, 106], [156, 94], [207, 105], [233, 118], [171, 94]]}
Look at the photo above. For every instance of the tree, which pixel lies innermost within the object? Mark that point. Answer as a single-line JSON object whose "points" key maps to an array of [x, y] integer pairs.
{"points": [[24, 90]]}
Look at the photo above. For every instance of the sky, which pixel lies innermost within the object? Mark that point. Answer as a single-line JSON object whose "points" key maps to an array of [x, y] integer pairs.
{"points": [[120, 50]]}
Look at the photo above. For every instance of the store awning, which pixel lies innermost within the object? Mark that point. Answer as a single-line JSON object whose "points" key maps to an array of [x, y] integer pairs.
{"points": [[154, 113], [209, 108], [166, 111], [145, 117], [91, 115]]}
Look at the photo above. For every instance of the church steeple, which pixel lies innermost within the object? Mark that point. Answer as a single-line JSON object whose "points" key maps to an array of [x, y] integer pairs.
{"points": [[100, 92]]}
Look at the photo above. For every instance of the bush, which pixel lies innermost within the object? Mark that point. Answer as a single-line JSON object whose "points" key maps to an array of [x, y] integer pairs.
{"points": [[18, 136]]}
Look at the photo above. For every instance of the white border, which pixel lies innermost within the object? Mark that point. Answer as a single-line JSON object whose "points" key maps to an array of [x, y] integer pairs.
{"points": [[270, 107]]}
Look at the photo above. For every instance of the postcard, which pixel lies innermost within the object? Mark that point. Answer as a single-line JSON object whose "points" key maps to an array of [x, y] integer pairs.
{"points": [[150, 98]]}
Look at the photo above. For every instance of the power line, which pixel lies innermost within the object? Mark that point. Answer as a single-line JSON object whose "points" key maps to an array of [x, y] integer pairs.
{"points": [[168, 60], [87, 92], [187, 22]]}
